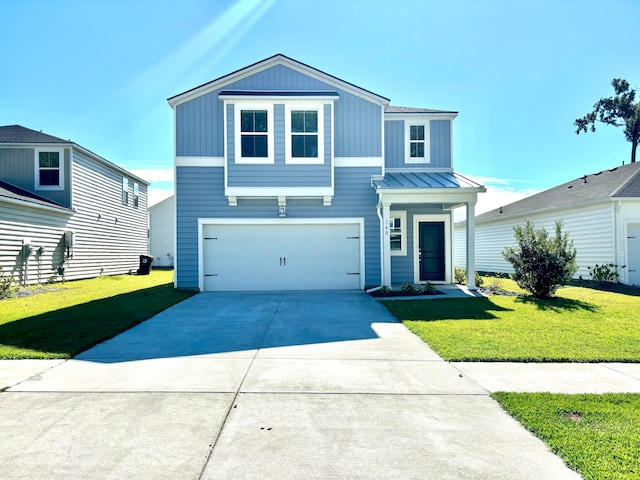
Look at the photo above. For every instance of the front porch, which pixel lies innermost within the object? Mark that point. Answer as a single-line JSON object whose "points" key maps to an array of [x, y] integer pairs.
{"points": [[416, 220]]}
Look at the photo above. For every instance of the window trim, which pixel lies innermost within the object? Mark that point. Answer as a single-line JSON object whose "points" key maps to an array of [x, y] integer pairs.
{"points": [[311, 105], [60, 185], [125, 191], [237, 134], [407, 141], [402, 215]]}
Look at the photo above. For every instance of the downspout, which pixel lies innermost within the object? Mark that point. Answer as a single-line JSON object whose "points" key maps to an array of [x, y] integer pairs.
{"points": [[379, 212]]}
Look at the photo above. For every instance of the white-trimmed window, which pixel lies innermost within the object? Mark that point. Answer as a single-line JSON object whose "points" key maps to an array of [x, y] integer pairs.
{"points": [[136, 194], [49, 167], [417, 142], [304, 125], [253, 133], [398, 233], [125, 191]]}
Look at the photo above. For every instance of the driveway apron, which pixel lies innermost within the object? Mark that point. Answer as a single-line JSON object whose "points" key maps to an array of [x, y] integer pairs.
{"points": [[274, 385]]}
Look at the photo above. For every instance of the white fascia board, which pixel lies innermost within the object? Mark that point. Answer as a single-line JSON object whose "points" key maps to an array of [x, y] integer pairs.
{"points": [[283, 98], [419, 170], [430, 195], [278, 220], [278, 191], [26, 203], [199, 161], [419, 115], [268, 63]]}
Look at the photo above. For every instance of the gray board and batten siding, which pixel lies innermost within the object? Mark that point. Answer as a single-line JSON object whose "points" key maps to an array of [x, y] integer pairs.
{"points": [[279, 174], [439, 145], [200, 121], [200, 194], [18, 167]]}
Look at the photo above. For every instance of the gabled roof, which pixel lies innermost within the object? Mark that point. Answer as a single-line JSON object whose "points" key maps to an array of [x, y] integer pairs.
{"points": [[619, 182], [14, 194], [395, 109], [20, 134], [278, 59]]}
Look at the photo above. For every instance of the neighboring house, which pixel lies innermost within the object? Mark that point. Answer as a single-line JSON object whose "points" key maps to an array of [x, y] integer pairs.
{"points": [[162, 232], [290, 178], [601, 213], [65, 212]]}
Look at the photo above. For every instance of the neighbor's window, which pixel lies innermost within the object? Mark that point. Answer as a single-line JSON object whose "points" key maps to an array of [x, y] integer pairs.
{"points": [[254, 133], [397, 233], [304, 133], [125, 191], [136, 194], [49, 169]]}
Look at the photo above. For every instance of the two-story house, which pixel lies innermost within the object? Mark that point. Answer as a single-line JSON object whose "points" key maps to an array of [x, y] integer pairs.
{"points": [[65, 212], [290, 178]]}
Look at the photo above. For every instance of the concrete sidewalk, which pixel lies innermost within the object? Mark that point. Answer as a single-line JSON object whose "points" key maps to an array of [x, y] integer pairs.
{"points": [[263, 385]]}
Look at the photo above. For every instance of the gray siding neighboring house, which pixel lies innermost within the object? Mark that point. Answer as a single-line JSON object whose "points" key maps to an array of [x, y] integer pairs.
{"points": [[290, 178], [162, 232], [66, 211], [601, 213]]}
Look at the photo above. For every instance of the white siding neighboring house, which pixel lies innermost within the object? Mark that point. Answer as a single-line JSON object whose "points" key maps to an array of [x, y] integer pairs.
{"points": [[600, 211], [66, 212], [162, 232]]}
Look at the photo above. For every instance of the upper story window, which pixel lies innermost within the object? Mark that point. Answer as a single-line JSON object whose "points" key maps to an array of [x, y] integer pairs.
{"points": [[398, 233], [417, 142], [125, 191], [136, 194], [50, 169], [254, 137], [304, 133]]}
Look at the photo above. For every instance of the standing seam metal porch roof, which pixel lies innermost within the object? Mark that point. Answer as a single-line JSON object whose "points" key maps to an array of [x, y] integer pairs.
{"points": [[418, 180]]}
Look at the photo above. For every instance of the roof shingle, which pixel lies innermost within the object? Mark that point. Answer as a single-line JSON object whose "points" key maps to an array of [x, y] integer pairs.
{"points": [[20, 134]]}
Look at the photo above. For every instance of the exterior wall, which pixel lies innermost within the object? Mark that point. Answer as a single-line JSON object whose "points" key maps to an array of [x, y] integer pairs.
{"points": [[199, 122], [41, 228], [279, 174], [439, 145], [17, 166], [402, 266], [200, 194], [591, 228], [627, 212], [162, 232]]}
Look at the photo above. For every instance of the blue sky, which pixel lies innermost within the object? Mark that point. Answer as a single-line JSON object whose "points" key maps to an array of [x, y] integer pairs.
{"points": [[519, 72]]}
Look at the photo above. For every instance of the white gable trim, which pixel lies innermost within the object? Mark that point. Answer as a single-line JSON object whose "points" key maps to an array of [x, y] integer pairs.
{"points": [[271, 62]]}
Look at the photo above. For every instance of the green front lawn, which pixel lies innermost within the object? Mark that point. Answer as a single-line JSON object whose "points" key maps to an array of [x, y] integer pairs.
{"points": [[63, 319], [596, 435], [579, 325]]}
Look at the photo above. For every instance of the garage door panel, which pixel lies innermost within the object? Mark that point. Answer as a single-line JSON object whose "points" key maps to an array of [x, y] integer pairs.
{"points": [[281, 257]]}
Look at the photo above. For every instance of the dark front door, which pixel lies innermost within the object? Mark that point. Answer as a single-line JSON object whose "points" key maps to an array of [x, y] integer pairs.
{"points": [[431, 252]]}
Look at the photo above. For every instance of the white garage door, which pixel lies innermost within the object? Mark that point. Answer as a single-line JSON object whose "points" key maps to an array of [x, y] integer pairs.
{"points": [[281, 257], [633, 249]]}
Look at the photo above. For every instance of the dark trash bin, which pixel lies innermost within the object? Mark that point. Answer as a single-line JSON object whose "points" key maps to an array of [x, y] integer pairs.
{"points": [[145, 264]]}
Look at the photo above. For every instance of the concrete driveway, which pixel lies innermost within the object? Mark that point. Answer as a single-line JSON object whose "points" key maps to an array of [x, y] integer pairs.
{"points": [[263, 386]]}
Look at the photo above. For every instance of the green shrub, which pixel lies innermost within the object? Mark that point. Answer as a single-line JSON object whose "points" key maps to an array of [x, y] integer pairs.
{"points": [[541, 263], [5, 285], [606, 273], [460, 277], [428, 289], [408, 287]]}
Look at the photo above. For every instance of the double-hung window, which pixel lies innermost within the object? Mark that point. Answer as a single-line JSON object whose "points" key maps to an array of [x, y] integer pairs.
{"points": [[125, 191], [50, 169], [417, 142], [136, 194], [254, 133], [398, 233], [305, 136]]}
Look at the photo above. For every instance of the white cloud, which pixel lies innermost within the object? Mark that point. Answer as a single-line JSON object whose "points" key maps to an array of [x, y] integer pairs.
{"points": [[156, 195]]}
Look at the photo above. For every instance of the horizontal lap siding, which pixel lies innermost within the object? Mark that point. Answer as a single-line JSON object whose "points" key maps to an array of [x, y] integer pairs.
{"points": [[162, 219], [590, 228], [104, 245], [200, 195]]}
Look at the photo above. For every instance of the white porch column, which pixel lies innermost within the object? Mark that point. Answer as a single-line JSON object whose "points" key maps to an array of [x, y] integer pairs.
{"points": [[386, 245], [471, 246]]}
